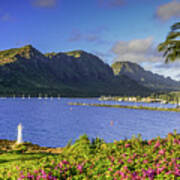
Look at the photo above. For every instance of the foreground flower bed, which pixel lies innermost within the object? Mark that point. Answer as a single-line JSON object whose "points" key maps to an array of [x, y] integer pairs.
{"points": [[134, 159]]}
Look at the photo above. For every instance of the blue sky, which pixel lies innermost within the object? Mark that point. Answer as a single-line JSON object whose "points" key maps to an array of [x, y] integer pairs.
{"points": [[115, 30]]}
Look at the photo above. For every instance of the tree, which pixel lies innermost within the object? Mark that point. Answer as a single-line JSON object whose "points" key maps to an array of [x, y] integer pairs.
{"points": [[171, 46]]}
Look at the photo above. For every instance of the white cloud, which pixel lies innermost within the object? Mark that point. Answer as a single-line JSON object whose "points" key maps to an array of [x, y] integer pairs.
{"points": [[168, 70], [138, 51], [45, 3], [143, 52], [178, 76], [79, 36], [168, 10], [88, 36]]}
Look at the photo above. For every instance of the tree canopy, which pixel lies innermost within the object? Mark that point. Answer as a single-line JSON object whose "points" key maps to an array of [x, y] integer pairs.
{"points": [[171, 46]]}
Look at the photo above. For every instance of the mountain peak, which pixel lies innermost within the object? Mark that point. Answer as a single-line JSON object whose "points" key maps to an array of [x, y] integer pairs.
{"points": [[28, 46], [143, 77], [125, 66], [75, 53], [28, 51], [10, 55]]}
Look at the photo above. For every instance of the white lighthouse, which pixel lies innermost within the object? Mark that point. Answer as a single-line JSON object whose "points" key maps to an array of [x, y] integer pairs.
{"points": [[19, 136]]}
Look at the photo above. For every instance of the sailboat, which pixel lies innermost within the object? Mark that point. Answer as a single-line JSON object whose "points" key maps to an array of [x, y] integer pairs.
{"points": [[58, 97], [23, 97], [39, 97], [45, 96]]}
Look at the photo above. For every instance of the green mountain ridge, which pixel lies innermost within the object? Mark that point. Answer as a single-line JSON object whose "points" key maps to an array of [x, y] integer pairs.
{"points": [[26, 70], [24, 51], [145, 78], [76, 73]]}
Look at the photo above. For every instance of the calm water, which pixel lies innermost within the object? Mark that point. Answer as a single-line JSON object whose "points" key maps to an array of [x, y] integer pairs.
{"points": [[54, 122]]}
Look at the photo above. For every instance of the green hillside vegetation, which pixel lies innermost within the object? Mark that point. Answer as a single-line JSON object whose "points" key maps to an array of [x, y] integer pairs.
{"points": [[126, 66], [8, 56], [50, 55], [145, 78], [26, 71], [171, 97], [75, 54], [133, 158], [29, 72], [12, 55]]}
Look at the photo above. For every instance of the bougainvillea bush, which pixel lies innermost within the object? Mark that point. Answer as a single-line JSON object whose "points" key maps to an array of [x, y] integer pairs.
{"points": [[131, 159]]}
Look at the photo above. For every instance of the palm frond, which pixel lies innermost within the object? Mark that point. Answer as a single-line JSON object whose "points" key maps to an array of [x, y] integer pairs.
{"points": [[171, 46]]}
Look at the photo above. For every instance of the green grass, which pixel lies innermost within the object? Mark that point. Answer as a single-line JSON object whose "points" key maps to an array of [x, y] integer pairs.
{"points": [[9, 158], [11, 164]]}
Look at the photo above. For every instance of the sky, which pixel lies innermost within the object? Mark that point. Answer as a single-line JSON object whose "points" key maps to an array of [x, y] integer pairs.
{"points": [[114, 30]]}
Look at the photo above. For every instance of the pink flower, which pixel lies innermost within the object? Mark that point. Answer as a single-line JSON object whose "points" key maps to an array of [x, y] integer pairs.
{"points": [[80, 168], [169, 172], [144, 172], [175, 141], [134, 155], [157, 144], [129, 161], [124, 155], [36, 171], [117, 173], [112, 159], [125, 168], [177, 172], [159, 170], [145, 161], [60, 165], [149, 142], [134, 175], [162, 152], [109, 169], [65, 162], [122, 174], [120, 161], [127, 145], [43, 172], [151, 173]]}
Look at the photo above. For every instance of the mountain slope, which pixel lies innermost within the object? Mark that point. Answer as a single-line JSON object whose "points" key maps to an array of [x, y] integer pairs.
{"points": [[145, 78], [27, 71]]}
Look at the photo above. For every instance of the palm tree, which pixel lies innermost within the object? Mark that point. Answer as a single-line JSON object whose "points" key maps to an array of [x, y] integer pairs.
{"points": [[171, 46]]}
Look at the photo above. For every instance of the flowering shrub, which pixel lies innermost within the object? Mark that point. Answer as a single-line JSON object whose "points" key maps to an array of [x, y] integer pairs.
{"points": [[131, 159]]}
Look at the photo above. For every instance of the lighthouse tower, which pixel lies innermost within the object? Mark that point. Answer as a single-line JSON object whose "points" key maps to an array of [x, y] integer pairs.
{"points": [[19, 136]]}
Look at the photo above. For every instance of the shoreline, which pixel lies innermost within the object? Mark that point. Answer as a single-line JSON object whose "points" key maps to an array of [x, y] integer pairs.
{"points": [[127, 107], [9, 145]]}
